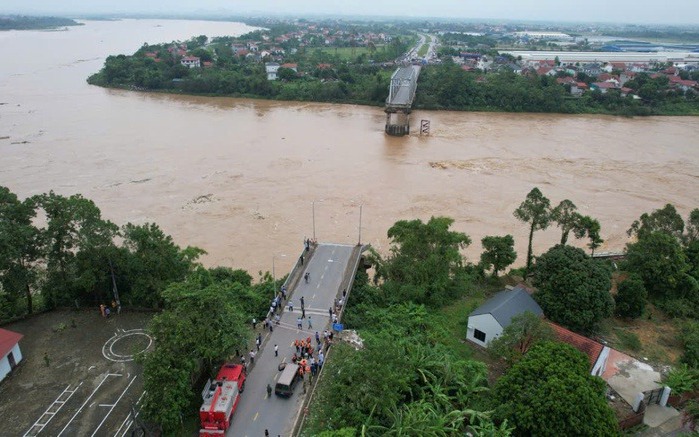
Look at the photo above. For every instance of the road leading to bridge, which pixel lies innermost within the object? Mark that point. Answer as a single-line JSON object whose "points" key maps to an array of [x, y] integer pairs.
{"points": [[255, 411]]}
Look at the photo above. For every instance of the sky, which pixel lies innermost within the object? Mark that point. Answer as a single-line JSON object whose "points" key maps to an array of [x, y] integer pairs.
{"points": [[616, 11]]}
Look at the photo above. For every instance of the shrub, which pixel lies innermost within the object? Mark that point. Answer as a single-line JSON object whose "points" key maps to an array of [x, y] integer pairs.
{"points": [[631, 298]]}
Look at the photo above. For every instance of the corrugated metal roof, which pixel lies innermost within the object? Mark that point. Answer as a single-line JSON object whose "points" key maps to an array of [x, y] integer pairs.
{"points": [[506, 304]]}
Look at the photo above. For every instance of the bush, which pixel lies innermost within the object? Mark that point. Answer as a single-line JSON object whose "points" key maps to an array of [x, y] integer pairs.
{"points": [[690, 341], [631, 298], [682, 379]]}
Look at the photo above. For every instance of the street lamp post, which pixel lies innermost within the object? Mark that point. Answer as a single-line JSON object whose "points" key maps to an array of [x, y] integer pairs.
{"points": [[274, 275], [359, 243], [313, 208]]}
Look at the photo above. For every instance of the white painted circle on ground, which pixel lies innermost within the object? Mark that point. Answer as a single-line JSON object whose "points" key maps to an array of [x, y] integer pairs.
{"points": [[108, 348]]}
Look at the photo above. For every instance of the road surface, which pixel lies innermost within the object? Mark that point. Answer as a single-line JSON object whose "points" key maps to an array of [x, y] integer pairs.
{"points": [[255, 411]]}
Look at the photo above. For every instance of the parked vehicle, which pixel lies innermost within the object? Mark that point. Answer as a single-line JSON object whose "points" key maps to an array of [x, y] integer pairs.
{"points": [[221, 398], [288, 379]]}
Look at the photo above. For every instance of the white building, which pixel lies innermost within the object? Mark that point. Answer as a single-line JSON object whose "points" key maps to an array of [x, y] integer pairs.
{"points": [[191, 62], [271, 68], [489, 320], [10, 355]]}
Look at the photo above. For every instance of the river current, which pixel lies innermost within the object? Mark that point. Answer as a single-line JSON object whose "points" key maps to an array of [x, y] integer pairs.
{"points": [[241, 178]]}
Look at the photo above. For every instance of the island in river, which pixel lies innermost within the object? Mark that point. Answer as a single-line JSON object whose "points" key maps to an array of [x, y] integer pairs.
{"points": [[331, 62], [24, 22]]}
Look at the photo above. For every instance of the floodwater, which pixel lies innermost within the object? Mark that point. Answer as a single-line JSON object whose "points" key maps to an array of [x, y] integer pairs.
{"points": [[241, 178]]}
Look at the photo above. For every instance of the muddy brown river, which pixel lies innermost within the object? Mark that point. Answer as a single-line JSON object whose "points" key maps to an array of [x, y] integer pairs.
{"points": [[239, 177]]}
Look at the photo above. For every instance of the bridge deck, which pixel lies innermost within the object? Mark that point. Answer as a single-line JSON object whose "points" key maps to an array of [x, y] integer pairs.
{"points": [[403, 94]]}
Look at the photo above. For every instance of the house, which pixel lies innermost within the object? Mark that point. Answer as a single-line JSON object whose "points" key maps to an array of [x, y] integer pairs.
{"points": [[10, 354], [291, 67], [271, 69], [191, 62], [597, 354], [603, 87], [489, 320]]}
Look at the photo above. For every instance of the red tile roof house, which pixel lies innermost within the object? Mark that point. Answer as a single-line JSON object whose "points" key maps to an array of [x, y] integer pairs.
{"points": [[596, 353], [10, 354]]}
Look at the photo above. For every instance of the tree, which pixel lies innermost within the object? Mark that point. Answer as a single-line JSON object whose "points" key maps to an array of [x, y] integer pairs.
{"points": [[535, 210], [658, 259], [690, 341], [630, 300], [524, 331], [19, 246], [692, 234], [73, 225], [573, 289], [666, 220], [498, 253], [200, 324], [590, 227], [550, 392], [425, 265], [154, 262], [567, 218], [286, 74]]}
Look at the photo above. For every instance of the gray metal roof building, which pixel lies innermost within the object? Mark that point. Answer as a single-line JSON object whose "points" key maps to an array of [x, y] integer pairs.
{"points": [[506, 304]]}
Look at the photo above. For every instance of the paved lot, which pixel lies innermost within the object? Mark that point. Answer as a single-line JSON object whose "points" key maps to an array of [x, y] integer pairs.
{"points": [[256, 412], [90, 382]]}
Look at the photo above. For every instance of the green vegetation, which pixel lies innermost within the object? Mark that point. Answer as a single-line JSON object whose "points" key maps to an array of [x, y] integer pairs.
{"points": [[23, 22], [550, 392], [630, 300], [498, 253], [572, 288], [524, 332], [535, 210], [447, 86]]}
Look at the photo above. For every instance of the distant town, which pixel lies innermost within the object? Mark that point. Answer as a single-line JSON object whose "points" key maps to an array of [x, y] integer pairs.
{"points": [[511, 68]]}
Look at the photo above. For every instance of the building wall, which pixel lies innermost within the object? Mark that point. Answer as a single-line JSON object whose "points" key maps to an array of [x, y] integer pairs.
{"points": [[485, 323], [5, 363]]}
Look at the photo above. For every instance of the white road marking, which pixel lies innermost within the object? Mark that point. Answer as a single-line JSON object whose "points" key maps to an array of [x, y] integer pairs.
{"points": [[86, 401], [53, 413], [128, 420], [114, 405], [106, 405]]}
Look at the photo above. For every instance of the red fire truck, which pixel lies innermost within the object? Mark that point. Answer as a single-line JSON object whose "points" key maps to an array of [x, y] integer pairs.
{"points": [[220, 400]]}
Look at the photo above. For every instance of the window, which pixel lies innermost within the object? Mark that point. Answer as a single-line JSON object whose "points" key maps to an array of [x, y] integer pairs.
{"points": [[479, 335]]}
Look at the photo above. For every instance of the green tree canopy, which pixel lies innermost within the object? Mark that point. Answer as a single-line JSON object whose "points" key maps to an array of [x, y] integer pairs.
{"points": [[630, 300], [19, 247], [524, 331], [567, 218], [666, 220], [550, 392], [200, 324], [535, 210], [659, 260], [573, 289], [155, 261], [73, 225], [425, 265], [498, 253]]}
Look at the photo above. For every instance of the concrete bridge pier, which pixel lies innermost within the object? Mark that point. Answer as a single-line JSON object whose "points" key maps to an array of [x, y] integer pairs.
{"points": [[397, 122]]}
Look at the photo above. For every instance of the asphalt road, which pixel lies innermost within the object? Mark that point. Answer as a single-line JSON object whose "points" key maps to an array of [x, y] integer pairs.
{"points": [[256, 412]]}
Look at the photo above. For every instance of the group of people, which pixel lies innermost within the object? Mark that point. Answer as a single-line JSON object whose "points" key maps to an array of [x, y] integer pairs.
{"points": [[304, 355], [106, 311]]}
